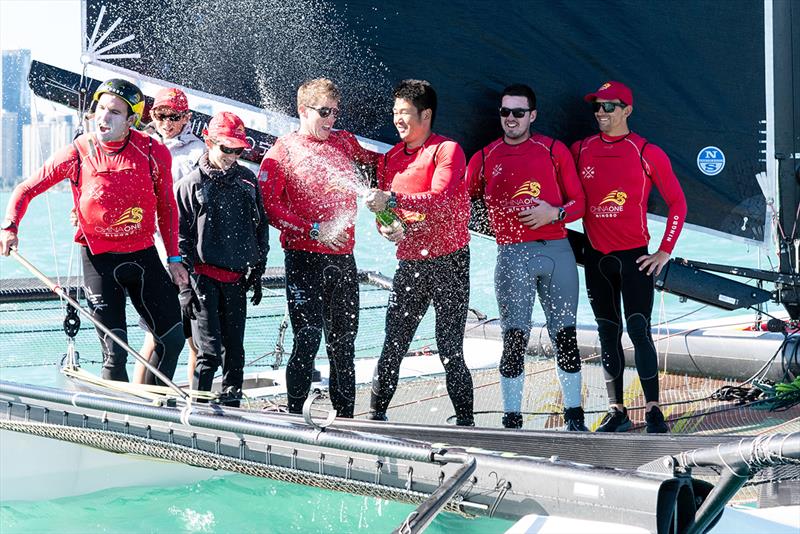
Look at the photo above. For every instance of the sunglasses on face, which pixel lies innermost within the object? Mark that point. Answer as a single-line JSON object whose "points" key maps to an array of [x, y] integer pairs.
{"points": [[517, 112], [172, 118], [227, 150], [608, 107], [325, 112]]}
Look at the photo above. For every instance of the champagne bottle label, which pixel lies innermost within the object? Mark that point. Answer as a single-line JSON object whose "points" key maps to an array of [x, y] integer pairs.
{"points": [[388, 218]]}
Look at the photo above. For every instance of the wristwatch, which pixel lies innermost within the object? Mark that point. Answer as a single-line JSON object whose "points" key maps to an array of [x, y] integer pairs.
{"points": [[314, 232], [562, 214], [9, 226], [392, 202]]}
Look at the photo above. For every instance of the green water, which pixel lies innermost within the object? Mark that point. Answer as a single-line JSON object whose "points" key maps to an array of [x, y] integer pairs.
{"points": [[243, 504]]}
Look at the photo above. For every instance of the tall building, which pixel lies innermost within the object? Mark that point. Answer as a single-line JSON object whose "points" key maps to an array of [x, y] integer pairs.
{"points": [[43, 137], [16, 110]]}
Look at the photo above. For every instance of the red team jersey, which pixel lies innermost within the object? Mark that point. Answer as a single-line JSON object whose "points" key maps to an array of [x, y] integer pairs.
{"points": [[305, 180], [121, 189], [431, 196], [617, 174], [512, 178]]}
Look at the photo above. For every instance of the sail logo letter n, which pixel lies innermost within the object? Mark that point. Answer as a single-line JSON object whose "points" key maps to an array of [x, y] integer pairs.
{"points": [[710, 161]]}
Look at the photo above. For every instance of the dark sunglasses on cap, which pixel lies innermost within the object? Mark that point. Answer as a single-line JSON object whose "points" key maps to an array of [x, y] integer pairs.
{"points": [[517, 112], [175, 117], [228, 150], [608, 107], [325, 112]]}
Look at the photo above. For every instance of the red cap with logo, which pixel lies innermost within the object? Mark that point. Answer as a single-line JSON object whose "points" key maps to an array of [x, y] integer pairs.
{"points": [[612, 91], [172, 98], [227, 129]]}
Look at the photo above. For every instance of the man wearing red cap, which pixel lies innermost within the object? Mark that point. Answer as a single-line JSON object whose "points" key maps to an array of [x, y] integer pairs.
{"points": [[617, 169], [122, 185], [224, 243], [310, 180]]}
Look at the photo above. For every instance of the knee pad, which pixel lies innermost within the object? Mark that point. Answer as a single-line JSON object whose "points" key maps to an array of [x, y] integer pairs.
{"points": [[639, 329], [609, 332], [308, 338], [512, 363], [568, 355]]}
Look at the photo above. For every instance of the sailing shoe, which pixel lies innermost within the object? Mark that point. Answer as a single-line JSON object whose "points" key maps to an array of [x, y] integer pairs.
{"points": [[512, 420], [465, 422], [573, 419], [655, 421], [378, 416], [615, 421]]}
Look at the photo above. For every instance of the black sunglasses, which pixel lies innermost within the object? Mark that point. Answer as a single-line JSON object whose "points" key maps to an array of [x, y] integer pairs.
{"points": [[608, 107], [227, 150], [518, 112], [172, 118], [325, 112]]}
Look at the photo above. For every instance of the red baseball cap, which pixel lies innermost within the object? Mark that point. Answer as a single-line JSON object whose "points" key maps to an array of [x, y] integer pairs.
{"points": [[227, 129], [612, 91], [173, 98]]}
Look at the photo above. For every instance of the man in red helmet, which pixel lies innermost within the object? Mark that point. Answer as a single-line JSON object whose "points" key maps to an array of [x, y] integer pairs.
{"points": [[122, 186]]}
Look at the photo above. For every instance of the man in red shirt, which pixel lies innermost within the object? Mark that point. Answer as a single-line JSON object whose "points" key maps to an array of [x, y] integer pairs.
{"points": [[121, 184], [617, 169], [422, 178], [531, 190], [310, 183]]}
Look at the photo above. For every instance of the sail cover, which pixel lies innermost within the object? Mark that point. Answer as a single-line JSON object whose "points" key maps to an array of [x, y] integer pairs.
{"points": [[696, 68]]}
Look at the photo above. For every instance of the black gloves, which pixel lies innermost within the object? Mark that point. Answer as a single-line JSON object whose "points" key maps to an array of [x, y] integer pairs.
{"points": [[189, 302], [254, 281]]}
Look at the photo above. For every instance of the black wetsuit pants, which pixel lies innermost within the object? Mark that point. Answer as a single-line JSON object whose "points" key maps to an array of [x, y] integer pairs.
{"points": [[444, 281], [218, 332], [322, 294], [107, 278], [611, 278]]}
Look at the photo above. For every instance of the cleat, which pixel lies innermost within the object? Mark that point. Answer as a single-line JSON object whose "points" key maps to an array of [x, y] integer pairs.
{"points": [[615, 421]]}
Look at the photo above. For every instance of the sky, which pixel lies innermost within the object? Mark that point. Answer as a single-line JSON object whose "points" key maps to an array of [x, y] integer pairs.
{"points": [[51, 29]]}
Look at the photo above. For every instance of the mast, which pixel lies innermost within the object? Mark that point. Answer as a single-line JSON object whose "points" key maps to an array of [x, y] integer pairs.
{"points": [[785, 96]]}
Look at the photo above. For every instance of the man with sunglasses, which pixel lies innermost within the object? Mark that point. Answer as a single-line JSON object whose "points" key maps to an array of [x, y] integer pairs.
{"points": [[224, 242], [422, 178], [310, 179], [531, 190], [122, 186], [617, 169]]}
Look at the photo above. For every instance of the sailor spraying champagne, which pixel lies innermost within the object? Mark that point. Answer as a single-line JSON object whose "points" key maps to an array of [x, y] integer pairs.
{"points": [[122, 187]]}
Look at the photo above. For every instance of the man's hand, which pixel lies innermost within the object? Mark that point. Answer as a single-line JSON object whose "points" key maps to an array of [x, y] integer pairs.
{"points": [[254, 281], [393, 233], [653, 262], [376, 200], [73, 217], [189, 302], [332, 235], [540, 215], [179, 274], [8, 240]]}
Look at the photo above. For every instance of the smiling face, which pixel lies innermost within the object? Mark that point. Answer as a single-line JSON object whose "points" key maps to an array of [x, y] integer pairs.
{"points": [[165, 123], [111, 119], [516, 129], [312, 121], [218, 158], [413, 125], [614, 123]]}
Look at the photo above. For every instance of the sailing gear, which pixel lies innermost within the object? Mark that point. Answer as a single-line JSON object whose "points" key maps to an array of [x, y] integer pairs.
{"points": [[186, 149], [107, 278], [322, 295], [513, 178], [612, 91], [512, 365], [378, 416], [654, 420], [172, 98], [127, 91], [254, 282], [574, 420], [617, 174], [227, 129], [613, 280], [306, 180], [431, 196], [189, 302], [512, 420], [443, 281], [615, 421]]}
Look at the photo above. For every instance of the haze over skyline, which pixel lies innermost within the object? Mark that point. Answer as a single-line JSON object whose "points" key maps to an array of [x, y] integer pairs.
{"points": [[51, 29]]}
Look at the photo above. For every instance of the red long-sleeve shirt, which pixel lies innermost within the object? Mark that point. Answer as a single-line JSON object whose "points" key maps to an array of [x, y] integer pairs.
{"points": [[122, 188], [431, 196], [512, 178], [617, 174], [306, 180]]}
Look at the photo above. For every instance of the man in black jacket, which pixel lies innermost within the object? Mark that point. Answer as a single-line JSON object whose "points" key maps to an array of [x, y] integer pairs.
{"points": [[223, 240]]}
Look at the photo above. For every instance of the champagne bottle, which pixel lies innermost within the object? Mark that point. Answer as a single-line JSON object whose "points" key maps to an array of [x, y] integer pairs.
{"points": [[388, 218]]}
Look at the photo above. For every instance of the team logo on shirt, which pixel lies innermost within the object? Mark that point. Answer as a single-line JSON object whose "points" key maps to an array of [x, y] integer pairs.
{"points": [[529, 189], [615, 196], [611, 205], [587, 172], [497, 170], [130, 216]]}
